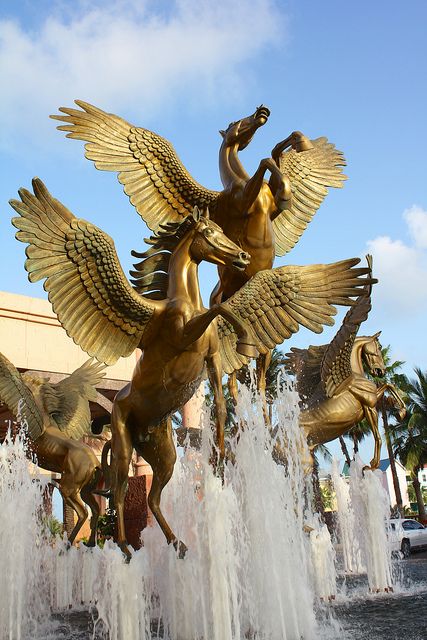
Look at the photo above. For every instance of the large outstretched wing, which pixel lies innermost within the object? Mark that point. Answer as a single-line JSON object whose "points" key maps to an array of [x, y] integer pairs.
{"points": [[305, 364], [18, 398], [336, 367], [276, 302], [68, 400], [88, 290], [152, 175], [310, 173]]}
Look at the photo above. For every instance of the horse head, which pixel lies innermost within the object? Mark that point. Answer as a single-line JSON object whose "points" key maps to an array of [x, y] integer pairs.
{"points": [[242, 131], [371, 354], [209, 243]]}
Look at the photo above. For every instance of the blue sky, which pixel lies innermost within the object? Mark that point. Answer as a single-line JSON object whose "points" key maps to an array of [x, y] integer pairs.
{"points": [[353, 71]]}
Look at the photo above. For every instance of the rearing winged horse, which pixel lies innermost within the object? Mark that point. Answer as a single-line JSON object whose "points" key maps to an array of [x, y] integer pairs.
{"points": [[264, 218], [108, 318], [335, 392]]}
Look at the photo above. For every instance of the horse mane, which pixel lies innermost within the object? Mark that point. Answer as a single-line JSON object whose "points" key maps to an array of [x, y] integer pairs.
{"points": [[150, 276]]}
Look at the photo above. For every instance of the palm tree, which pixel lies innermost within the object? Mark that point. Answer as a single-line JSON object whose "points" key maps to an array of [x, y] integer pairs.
{"points": [[411, 432]]}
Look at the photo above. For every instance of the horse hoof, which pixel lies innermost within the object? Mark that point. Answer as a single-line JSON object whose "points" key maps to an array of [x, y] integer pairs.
{"points": [[89, 544], [180, 548], [126, 552]]}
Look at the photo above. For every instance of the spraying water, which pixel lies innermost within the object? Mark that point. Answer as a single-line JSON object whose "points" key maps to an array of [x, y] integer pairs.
{"points": [[248, 572], [21, 557], [372, 510], [352, 553]]}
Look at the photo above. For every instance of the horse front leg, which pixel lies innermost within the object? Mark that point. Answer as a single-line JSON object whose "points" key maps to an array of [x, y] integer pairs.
{"points": [[395, 395], [197, 326], [296, 140]]}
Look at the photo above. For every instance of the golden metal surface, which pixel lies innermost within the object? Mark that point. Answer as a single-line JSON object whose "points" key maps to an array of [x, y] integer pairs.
{"points": [[166, 318], [335, 392], [56, 416], [263, 218]]}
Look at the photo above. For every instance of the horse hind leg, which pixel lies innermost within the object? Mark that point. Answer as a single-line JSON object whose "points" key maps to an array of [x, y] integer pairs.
{"points": [[159, 452], [121, 453], [75, 502], [371, 415], [89, 498]]}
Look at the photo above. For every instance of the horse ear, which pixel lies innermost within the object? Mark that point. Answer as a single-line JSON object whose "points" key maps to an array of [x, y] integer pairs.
{"points": [[377, 335], [222, 133], [196, 214]]}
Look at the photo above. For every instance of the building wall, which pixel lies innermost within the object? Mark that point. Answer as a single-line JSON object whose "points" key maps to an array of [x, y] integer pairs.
{"points": [[32, 338], [422, 477]]}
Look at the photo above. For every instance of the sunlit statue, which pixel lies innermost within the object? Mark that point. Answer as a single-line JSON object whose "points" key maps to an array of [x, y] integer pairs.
{"points": [[109, 318], [334, 389], [56, 417], [265, 218]]}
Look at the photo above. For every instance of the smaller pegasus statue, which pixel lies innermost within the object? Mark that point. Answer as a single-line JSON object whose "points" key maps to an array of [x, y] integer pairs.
{"points": [[335, 392], [57, 416]]}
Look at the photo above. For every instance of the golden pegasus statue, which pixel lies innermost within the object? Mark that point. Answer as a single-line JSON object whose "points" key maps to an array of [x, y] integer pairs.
{"points": [[178, 336], [264, 218], [57, 416], [335, 392]]}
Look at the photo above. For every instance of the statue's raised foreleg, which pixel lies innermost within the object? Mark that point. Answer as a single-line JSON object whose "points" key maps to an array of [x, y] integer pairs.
{"points": [[196, 327], [296, 140], [395, 395]]}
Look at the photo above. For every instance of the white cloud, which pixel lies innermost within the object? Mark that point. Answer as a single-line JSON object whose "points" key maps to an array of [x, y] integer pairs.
{"points": [[131, 55], [416, 219], [402, 269]]}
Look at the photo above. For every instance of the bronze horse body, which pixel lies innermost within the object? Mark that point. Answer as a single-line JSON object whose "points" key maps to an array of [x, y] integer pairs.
{"points": [[331, 379], [57, 415], [164, 316]]}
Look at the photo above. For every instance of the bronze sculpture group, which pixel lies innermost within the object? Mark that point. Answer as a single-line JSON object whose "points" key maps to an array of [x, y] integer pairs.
{"points": [[253, 308]]}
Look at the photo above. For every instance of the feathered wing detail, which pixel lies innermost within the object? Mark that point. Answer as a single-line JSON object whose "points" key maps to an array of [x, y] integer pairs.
{"points": [[88, 290], [305, 364], [310, 172], [152, 175], [276, 302], [18, 398], [336, 364], [68, 400]]}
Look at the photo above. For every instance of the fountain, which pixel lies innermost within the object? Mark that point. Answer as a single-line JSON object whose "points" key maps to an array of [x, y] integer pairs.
{"points": [[248, 571]]}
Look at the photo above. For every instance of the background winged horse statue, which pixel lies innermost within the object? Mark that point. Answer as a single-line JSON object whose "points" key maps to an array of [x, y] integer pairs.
{"points": [[335, 392], [108, 318], [264, 218], [57, 416]]}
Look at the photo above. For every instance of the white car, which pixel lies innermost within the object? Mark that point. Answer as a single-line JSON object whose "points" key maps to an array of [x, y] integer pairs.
{"points": [[407, 535]]}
